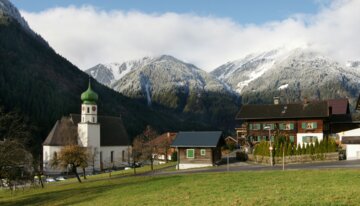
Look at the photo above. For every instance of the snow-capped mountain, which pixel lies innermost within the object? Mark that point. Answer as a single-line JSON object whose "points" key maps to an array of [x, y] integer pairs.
{"points": [[167, 81], [292, 75], [110, 73]]}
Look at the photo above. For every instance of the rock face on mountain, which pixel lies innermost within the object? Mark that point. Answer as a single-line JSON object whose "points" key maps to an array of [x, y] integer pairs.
{"points": [[292, 75]]}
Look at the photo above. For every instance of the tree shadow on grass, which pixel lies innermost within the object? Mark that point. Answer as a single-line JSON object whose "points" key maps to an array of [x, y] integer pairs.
{"points": [[73, 196]]}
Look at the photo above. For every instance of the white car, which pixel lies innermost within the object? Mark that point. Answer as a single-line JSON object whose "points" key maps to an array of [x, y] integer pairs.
{"points": [[60, 178], [50, 179]]}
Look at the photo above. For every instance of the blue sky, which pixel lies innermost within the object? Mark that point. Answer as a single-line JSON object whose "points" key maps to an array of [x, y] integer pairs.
{"points": [[242, 11], [205, 33]]}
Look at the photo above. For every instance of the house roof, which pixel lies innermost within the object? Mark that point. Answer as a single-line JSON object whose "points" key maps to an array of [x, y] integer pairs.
{"points": [[339, 106], [112, 131], [350, 140], [197, 139], [316, 109]]}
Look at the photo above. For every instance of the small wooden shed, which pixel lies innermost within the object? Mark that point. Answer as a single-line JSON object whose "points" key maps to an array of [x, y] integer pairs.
{"points": [[198, 149]]}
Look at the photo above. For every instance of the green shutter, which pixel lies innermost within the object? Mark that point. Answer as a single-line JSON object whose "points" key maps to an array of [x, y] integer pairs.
{"points": [[272, 126], [190, 153], [259, 138], [291, 126], [303, 125], [272, 138], [314, 125], [292, 139], [250, 126], [257, 126], [282, 126]]}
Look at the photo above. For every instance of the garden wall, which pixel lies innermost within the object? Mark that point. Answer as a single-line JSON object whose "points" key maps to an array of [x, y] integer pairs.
{"points": [[334, 156]]}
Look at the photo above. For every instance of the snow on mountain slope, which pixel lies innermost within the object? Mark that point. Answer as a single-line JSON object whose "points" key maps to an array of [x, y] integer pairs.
{"points": [[155, 78], [110, 73], [251, 67], [292, 74]]}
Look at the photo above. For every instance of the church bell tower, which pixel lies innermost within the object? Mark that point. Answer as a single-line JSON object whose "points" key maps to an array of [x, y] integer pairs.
{"points": [[88, 127]]}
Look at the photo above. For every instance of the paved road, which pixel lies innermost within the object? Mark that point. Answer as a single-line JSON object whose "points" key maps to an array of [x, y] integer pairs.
{"points": [[355, 164]]}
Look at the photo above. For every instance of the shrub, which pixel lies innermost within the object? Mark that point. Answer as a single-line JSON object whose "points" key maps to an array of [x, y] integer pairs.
{"points": [[174, 156]]}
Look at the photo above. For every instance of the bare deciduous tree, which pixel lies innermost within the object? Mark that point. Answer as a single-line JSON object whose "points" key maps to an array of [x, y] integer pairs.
{"points": [[73, 156]]}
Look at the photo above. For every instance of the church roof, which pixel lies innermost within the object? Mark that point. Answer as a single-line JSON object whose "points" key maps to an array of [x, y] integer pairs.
{"points": [[64, 132], [112, 131]]}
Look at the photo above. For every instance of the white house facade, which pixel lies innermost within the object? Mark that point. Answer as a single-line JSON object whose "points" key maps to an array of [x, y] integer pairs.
{"points": [[351, 140]]}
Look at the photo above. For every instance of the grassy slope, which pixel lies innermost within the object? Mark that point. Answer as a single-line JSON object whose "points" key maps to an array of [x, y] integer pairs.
{"points": [[315, 187]]}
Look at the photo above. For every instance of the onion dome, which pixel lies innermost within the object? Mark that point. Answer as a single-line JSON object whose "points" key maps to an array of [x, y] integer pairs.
{"points": [[89, 96]]}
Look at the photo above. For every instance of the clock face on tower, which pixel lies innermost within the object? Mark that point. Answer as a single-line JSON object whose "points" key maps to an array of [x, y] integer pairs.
{"points": [[94, 109]]}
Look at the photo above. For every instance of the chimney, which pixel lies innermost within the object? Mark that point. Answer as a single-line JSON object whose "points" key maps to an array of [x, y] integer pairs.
{"points": [[276, 100]]}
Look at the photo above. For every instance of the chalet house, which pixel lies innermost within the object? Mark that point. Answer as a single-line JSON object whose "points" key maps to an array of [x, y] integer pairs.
{"points": [[163, 151], [198, 149], [303, 122]]}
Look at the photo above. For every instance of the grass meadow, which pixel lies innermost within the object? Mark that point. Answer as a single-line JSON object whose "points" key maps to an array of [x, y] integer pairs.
{"points": [[297, 187]]}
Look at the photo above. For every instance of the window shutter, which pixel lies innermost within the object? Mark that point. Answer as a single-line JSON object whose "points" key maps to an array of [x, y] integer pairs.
{"points": [[292, 139], [259, 138], [303, 125], [272, 126], [257, 126], [250, 126], [272, 138], [282, 126], [314, 125], [291, 126]]}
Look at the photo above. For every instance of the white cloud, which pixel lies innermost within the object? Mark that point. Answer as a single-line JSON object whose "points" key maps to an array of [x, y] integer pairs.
{"points": [[88, 36]]}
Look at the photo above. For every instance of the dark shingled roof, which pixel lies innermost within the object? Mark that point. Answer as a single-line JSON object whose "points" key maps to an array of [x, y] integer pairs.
{"points": [[112, 131], [317, 109], [197, 139], [350, 140]]}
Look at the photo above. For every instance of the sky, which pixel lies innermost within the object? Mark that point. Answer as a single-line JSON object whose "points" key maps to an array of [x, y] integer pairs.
{"points": [[207, 33]]}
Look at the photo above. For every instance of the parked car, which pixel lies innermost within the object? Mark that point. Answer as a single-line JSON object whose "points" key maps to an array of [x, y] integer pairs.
{"points": [[50, 179], [60, 178]]}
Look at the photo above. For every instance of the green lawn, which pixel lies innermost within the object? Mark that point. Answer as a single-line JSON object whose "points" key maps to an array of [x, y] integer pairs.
{"points": [[310, 187]]}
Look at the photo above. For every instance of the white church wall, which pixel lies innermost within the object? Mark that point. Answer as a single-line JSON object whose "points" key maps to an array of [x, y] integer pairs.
{"points": [[120, 156], [48, 154]]}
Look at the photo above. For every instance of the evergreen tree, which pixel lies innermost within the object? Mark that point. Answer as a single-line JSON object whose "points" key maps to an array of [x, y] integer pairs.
{"points": [[298, 149]]}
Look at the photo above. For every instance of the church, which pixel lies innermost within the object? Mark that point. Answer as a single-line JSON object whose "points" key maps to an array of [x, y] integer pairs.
{"points": [[105, 137]]}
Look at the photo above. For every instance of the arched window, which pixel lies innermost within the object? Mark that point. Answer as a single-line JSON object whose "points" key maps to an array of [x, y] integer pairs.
{"points": [[88, 110]]}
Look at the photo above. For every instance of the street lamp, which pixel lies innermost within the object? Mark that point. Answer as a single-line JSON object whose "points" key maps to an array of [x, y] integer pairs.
{"points": [[270, 148]]}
